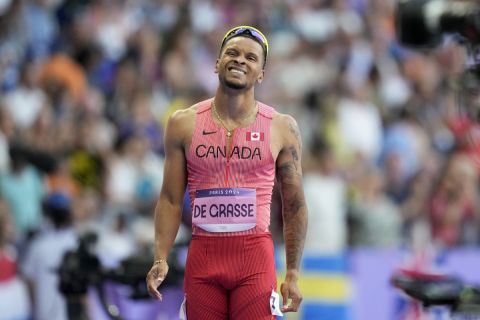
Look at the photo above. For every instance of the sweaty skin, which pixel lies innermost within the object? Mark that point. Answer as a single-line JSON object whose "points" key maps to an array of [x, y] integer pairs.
{"points": [[239, 68]]}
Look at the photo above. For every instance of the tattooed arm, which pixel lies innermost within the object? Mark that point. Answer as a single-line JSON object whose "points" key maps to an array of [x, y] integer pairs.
{"points": [[289, 178]]}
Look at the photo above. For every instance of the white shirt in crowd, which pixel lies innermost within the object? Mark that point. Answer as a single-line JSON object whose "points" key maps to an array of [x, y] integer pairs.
{"points": [[43, 259], [326, 203]]}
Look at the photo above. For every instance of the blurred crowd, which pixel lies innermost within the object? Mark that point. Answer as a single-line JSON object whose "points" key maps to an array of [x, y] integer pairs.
{"points": [[86, 87]]}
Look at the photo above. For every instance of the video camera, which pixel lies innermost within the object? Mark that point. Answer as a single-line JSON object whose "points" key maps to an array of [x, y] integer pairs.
{"points": [[81, 269], [422, 23], [440, 290]]}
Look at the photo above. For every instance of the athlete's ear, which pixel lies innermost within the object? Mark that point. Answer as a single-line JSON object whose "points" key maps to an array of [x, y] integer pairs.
{"points": [[260, 76], [216, 65]]}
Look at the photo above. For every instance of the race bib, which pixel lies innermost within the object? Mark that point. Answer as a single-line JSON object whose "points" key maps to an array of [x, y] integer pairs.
{"points": [[225, 209], [182, 313], [275, 304]]}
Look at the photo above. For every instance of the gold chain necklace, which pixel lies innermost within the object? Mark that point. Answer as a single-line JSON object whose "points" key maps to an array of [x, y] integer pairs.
{"points": [[229, 131]]}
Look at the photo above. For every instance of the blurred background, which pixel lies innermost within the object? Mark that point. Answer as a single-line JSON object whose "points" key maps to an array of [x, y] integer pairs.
{"points": [[390, 161]]}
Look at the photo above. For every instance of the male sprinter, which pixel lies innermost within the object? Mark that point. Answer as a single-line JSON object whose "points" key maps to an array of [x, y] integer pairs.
{"points": [[228, 150]]}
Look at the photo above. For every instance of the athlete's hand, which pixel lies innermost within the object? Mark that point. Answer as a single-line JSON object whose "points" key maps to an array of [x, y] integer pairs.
{"points": [[291, 293], [155, 277]]}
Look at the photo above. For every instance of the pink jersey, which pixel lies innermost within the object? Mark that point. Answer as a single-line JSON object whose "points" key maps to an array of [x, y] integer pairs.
{"points": [[249, 164]]}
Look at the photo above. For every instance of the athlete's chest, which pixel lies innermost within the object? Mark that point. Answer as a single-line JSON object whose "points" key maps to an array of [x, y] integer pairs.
{"points": [[244, 156], [244, 145]]}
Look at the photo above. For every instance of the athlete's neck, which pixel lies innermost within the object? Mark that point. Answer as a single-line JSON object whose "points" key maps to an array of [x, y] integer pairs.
{"points": [[235, 107]]}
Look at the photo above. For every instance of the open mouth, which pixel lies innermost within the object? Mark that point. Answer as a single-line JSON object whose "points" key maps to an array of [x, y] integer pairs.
{"points": [[236, 70]]}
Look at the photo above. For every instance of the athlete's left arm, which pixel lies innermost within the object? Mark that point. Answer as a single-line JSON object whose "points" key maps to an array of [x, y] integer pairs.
{"points": [[289, 179]]}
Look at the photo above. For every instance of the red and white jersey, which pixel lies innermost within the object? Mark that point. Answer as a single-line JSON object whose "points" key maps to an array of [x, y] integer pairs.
{"points": [[248, 164]]}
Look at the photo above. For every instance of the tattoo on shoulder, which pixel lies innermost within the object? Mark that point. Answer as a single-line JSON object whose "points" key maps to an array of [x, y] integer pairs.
{"points": [[293, 151], [286, 171], [295, 131], [289, 168]]}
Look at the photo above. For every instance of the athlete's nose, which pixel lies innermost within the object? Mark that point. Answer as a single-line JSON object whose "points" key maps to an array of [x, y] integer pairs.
{"points": [[240, 59]]}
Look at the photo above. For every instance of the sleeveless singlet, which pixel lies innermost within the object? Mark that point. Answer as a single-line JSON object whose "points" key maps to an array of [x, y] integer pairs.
{"points": [[248, 164]]}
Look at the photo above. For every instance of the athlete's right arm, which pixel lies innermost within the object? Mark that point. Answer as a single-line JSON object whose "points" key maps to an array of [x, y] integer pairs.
{"points": [[168, 210]]}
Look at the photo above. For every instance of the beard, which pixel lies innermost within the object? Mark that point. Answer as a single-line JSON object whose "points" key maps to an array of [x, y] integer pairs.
{"points": [[234, 85], [231, 84]]}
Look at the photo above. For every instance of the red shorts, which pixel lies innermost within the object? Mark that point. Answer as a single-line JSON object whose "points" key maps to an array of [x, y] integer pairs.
{"points": [[230, 277]]}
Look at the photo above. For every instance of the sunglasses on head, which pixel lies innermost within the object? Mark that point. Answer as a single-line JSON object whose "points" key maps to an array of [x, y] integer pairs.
{"points": [[249, 32]]}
